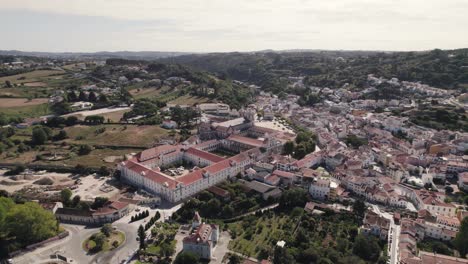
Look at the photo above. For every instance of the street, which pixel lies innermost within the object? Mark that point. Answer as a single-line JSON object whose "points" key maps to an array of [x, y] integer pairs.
{"points": [[393, 235], [71, 246]]}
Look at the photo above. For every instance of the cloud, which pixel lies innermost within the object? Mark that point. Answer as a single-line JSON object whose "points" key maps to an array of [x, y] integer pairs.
{"points": [[225, 25]]}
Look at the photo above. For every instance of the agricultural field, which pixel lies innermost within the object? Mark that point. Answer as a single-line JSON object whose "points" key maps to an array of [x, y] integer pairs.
{"points": [[33, 77], [189, 100], [126, 135], [20, 102], [19, 107]]}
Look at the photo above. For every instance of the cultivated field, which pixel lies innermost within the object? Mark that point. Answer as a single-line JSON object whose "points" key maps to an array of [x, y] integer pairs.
{"points": [[20, 102], [34, 76], [17, 107], [189, 100], [146, 92]]}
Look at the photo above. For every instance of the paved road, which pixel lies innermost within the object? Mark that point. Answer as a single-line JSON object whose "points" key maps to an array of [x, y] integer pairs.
{"points": [[393, 236], [71, 246]]}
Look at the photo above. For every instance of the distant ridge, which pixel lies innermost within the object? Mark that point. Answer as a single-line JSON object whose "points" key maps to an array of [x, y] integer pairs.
{"points": [[141, 55]]}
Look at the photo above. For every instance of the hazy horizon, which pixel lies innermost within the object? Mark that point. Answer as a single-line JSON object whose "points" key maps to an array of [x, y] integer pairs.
{"points": [[226, 26]]}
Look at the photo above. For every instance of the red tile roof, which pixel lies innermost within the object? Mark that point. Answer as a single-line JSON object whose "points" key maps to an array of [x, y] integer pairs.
{"points": [[204, 155], [246, 140], [283, 174], [201, 235], [191, 177], [156, 151]]}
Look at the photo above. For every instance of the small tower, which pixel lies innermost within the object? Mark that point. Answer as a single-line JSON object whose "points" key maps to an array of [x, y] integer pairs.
{"points": [[197, 220]]}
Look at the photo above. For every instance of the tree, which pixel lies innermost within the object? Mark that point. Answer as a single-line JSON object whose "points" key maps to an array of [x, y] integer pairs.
{"points": [[234, 259], [99, 202], [141, 236], [65, 196], [62, 134], [288, 148], [359, 208], [103, 98], [94, 120], [115, 244], [296, 197], [366, 247], [92, 97], [187, 258], [39, 136], [167, 249], [106, 229], [71, 121], [103, 171], [76, 201], [84, 150], [29, 223], [282, 256], [448, 189], [83, 96], [461, 240], [61, 108], [99, 239]]}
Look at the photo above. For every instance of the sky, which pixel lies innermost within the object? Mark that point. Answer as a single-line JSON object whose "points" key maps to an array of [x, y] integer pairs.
{"points": [[231, 25]]}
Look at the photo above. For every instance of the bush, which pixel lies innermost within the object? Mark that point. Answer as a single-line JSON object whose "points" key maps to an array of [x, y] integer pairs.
{"points": [[84, 150], [16, 170]]}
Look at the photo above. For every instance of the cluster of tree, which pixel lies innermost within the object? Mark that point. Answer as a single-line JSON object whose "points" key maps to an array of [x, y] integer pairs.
{"points": [[16, 170], [148, 108], [210, 206], [334, 69], [8, 119], [303, 145], [82, 96], [99, 239], [139, 216], [355, 141], [94, 120], [186, 257], [68, 202], [441, 117], [296, 197], [40, 134], [152, 220], [24, 224], [308, 98], [184, 117], [5, 138], [461, 240], [327, 238]]}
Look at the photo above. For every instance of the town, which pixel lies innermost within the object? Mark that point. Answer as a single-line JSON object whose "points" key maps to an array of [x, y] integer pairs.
{"points": [[129, 161]]}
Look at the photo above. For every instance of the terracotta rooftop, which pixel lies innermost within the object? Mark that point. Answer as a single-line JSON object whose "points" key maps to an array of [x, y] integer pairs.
{"points": [[204, 155], [156, 151], [246, 140], [201, 235], [283, 174]]}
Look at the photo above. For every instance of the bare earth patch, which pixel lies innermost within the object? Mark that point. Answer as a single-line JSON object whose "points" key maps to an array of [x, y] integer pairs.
{"points": [[35, 84]]}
